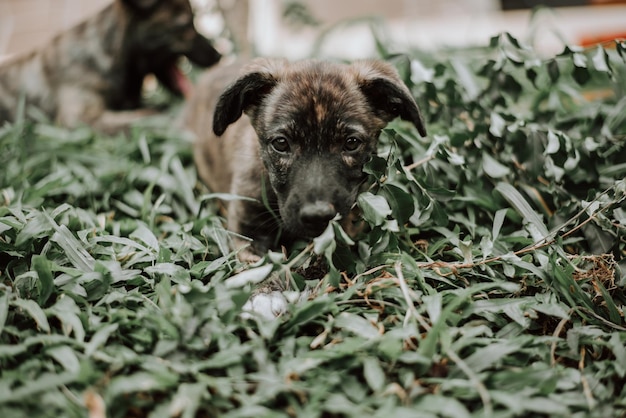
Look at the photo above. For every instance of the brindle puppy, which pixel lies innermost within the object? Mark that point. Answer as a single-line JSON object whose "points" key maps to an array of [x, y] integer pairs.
{"points": [[300, 133], [93, 73]]}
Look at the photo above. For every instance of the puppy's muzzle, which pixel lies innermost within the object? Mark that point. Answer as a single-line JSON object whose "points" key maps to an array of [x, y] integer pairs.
{"points": [[202, 52], [316, 194], [315, 216]]}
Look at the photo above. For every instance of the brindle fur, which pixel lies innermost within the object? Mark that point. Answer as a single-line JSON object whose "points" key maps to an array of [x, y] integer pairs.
{"points": [[317, 107], [94, 72]]}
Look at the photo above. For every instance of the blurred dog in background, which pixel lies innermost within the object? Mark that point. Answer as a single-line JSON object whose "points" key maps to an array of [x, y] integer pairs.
{"points": [[93, 73]]}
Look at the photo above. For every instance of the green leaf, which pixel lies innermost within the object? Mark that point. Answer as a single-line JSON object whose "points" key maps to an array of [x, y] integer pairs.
{"points": [[400, 202], [553, 70], [187, 400], [43, 267], [466, 78], [375, 208], [68, 312], [74, 249], [537, 229], [66, 357], [554, 143], [145, 235], [251, 276], [4, 308], [357, 325], [37, 387], [579, 59], [325, 241], [493, 168], [374, 374], [497, 126], [580, 72], [498, 221], [306, 312], [621, 49], [488, 356], [35, 227], [100, 338], [140, 382], [34, 311], [548, 406], [601, 60], [442, 406], [614, 312], [619, 351]]}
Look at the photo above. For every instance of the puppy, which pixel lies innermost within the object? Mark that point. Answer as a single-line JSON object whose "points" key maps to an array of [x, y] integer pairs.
{"points": [[93, 73], [292, 139]]}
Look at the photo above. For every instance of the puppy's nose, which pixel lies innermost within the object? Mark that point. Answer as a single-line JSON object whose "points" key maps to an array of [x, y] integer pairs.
{"points": [[318, 213]]}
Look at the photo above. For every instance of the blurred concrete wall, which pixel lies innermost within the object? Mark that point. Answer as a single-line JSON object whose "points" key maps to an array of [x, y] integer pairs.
{"points": [[332, 11], [25, 24], [426, 24]]}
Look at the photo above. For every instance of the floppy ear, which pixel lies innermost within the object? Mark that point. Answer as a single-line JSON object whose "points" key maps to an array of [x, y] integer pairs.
{"points": [[240, 96], [388, 94]]}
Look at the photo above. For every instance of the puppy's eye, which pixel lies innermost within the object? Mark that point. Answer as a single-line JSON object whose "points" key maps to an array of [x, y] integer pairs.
{"points": [[352, 144], [280, 145]]}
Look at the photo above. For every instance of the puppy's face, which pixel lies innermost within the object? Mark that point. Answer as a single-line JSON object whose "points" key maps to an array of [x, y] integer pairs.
{"points": [[317, 124], [316, 132], [161, 32]]}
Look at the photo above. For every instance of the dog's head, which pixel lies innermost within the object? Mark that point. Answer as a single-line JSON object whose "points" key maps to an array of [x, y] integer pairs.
{"points": [[318, 124], [160, 32]]}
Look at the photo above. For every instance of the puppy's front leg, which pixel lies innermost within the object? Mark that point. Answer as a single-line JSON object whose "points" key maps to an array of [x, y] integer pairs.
{"points": [[111, 121], [78, 106], [250, 219], [85, 107], [254, 220]]}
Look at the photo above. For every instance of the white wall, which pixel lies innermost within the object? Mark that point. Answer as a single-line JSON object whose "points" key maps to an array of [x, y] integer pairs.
{"points": [[25, 24], [426, 24], [429, 25]]}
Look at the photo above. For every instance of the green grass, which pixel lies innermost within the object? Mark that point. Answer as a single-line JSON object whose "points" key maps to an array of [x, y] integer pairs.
{"points": [[487, 284]]}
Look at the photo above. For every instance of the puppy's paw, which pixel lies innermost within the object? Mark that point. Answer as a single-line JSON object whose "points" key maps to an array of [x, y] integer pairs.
{"points": [[245, 251], [272, 304], [265, 305]]}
